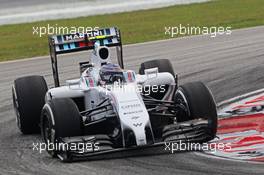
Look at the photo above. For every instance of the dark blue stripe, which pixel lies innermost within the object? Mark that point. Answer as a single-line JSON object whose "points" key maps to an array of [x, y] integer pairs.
{"points": [[107, 31], [59, 38]]}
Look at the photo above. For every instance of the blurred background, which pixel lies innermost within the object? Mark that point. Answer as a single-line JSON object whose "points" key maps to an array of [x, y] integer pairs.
{"points": [[20, 11]]}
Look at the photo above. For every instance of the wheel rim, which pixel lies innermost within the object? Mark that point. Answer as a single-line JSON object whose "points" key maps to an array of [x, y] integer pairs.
{"points": [[47, 133], [16, 106], [181, 99], [46, 130]]}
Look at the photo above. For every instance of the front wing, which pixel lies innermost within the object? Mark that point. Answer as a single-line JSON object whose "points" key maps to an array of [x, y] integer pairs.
{"points": [[194, 131]]}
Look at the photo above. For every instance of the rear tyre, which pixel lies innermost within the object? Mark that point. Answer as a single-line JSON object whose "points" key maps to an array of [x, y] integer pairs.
{"points": [[163, 65], [28, 99], [199, 103], [60, 118]]}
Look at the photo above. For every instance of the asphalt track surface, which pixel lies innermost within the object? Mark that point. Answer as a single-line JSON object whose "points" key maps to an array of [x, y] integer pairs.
{"points": [[229, 65]]}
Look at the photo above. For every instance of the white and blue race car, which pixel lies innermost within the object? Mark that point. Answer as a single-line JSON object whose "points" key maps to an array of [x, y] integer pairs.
{"points": [[109, 108]]}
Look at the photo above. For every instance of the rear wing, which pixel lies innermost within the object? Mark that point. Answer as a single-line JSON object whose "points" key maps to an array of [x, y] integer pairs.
{"points": [[61, 44]]}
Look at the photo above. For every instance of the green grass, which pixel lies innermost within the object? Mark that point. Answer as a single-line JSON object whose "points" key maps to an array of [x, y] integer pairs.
{"points": [[17, 41]]}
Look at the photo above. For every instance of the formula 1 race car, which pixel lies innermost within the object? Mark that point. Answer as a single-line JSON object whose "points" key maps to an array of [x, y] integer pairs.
{"points": [[109, 108]]}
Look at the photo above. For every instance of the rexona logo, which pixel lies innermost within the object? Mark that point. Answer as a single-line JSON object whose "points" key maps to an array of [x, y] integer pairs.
{"points": [[82, 35]]}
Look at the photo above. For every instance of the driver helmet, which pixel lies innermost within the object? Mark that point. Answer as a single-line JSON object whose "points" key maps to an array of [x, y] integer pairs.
{"points": [[110, 73]]}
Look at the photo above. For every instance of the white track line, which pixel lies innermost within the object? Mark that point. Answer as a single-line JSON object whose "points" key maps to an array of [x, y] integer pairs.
{"points": [[238, 98]]}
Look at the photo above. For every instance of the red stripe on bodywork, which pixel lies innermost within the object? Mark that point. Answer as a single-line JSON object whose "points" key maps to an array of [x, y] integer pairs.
{"points": [[81, 44], [91, 82], [84, 44]]}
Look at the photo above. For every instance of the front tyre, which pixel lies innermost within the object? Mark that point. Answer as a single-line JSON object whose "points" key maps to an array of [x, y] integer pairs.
{"points": [[60, 118], [199, 103]]}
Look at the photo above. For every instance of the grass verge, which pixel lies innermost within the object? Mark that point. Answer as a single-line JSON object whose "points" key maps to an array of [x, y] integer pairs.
{"points": [[17, 41]]}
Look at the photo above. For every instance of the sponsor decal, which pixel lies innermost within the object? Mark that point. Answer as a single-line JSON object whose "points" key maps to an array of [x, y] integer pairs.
{"points": [[73, 36], [82, 35], [137, 124], [133, 112], [130, 106]]}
